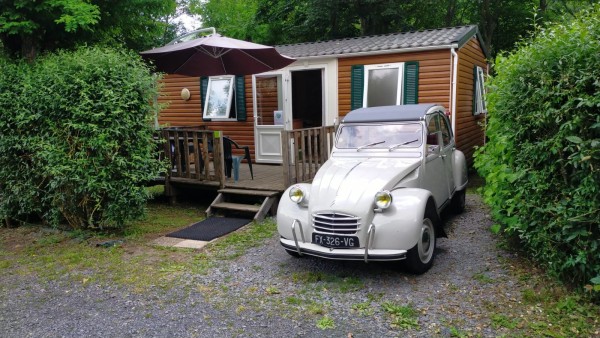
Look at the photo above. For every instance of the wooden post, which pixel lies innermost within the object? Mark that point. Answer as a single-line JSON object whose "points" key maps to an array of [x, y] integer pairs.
{"points": [[285, 147], [218, 157]]}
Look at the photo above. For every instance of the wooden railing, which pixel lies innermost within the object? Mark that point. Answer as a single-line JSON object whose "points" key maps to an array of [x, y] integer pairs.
{"points": [[304, 152], [194, 154]]}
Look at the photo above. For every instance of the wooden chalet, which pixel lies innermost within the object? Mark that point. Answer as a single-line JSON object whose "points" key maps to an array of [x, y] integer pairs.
{"points": [[286, 117]]}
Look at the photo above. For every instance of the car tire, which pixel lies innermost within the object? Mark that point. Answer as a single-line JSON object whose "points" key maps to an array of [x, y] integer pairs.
{"points": [[293, 253], [420, 258], [458, 202]]}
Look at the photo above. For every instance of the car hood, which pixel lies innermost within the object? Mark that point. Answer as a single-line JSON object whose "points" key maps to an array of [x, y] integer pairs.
{"points": [[350, 185]]}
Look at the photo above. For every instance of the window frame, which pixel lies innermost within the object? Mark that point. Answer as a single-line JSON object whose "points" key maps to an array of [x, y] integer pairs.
{"points": [[479, 104], [230, 99], [399, 90]]}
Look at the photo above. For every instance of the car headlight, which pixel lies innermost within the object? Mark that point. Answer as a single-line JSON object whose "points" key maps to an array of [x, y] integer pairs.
{"points": [[297, 195], [383, 199]]}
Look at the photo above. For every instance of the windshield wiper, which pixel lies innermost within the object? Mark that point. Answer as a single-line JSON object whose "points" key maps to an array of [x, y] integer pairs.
{"points": [[394, 146], [369, 145]]}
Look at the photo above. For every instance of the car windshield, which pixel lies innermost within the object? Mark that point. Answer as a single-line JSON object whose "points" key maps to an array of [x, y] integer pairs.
{"points": [[388, 136]]}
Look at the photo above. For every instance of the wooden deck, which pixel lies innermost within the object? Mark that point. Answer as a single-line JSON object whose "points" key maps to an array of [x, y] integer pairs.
{"points": [[197, 159], [266, 177]]}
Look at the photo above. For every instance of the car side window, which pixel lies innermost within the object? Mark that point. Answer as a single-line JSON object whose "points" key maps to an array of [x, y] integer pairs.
{"points": [[446, 134], [432, 134]]}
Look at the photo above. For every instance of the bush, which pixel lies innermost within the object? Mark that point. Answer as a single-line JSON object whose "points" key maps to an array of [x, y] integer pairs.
{"points": [[76, 141], [542, 161]]}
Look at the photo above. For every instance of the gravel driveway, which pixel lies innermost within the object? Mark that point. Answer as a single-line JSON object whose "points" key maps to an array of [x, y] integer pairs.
{"points": [[267, 293]]}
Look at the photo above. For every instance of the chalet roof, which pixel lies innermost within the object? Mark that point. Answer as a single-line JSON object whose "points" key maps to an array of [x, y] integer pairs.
{"points": [[408, 112], [386, 43]]}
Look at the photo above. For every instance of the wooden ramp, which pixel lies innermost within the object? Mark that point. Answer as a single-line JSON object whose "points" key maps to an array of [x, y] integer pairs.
{"points": [[256, 202]]}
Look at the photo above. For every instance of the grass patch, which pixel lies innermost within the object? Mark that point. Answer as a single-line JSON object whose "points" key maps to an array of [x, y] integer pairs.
{"points": [[237, 243], [503, 321], [132, 261], [343, 284], [364, 309], [545, 308], [325, 323], [404, 317], [483, 278]]}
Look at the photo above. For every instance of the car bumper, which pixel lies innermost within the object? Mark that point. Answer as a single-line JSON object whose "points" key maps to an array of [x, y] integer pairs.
{"points": [[367, 253]]}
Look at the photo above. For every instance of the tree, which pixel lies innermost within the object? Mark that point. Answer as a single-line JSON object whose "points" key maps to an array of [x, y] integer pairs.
{"points": [[24, 24], [232, 18], [30, 27], [502, 23]]}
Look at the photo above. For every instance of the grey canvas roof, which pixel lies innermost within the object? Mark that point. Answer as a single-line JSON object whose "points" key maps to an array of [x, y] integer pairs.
{"points": [[407, 112], [386, 43]]}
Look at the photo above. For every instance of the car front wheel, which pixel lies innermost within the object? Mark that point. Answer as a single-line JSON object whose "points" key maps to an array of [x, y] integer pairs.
{"points": [[420, 258]]}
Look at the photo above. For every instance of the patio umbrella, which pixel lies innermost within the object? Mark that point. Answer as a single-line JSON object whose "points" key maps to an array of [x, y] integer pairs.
{"points": [[215, 55]]}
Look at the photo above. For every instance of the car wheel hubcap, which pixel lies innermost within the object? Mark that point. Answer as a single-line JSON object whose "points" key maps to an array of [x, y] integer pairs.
{"points": [[427, 242]]}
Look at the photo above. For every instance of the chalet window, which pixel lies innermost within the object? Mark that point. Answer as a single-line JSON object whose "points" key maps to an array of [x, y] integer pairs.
{"points": [[479, 106], [384, 84], [223, 98]]}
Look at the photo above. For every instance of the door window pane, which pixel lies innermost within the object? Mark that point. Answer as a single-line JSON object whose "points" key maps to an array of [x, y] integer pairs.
{"points": [[269, 100]]}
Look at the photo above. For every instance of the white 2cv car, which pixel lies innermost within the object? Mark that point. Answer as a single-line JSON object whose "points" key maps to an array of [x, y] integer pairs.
{"points": [[391, 172]]}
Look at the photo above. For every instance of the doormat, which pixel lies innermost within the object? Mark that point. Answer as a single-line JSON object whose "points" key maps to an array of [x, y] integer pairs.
{"points": [[210, 228]]}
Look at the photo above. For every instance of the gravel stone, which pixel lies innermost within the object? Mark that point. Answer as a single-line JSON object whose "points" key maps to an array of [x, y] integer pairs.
{"points": [[268, 293]]}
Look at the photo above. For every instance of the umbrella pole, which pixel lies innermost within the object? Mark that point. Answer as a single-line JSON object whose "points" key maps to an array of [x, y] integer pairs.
{"points": [[181, 38]]}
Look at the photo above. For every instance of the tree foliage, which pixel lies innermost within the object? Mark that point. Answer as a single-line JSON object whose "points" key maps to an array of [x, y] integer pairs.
{"points": [[542, 161], [76, 138], [30, 27], [502, 23]]}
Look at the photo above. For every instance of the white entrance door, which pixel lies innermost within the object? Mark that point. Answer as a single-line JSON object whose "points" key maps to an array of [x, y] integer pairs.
{"points": [[270, 116]]}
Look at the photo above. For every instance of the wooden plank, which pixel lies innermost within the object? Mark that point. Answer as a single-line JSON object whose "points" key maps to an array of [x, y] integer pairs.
{"points": [[236, 207], [263, 193], [264, 208], [192, 182], [197, 156], [285, 137]]}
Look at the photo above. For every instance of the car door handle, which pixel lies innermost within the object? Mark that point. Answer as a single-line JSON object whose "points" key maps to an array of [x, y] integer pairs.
{"points": [[443, 156]]}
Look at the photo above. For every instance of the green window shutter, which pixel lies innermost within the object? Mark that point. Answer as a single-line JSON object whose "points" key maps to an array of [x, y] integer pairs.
{"points": [[203, 90], [357, 85], [411, 83], [240, 98]]}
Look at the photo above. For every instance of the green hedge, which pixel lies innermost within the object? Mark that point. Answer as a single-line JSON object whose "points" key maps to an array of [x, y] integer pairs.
{"points": [[542, 161], [76, 138]]}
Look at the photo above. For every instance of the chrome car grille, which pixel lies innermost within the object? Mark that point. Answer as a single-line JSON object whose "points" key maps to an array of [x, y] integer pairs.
{"points": [[335, 223]]}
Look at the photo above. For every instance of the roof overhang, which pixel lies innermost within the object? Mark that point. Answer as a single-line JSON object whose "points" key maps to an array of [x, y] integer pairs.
{"points": [[464, 39], [378, 52]]}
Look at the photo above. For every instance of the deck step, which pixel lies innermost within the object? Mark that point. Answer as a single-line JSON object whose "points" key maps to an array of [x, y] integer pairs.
{"points": [[237, 207], [229, 200], [263, 193]]}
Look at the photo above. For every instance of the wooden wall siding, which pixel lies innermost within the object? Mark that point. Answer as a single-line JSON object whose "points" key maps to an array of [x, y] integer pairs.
{"points": [[180, 113], [434, 75], [469, 128]]}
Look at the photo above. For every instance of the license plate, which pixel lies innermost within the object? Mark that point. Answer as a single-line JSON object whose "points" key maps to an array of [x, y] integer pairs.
{"points": [[335, 241]]}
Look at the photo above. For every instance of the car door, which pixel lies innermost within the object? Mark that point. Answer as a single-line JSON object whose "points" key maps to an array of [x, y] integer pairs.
{"points": [[434, 177], [447, 152]]}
